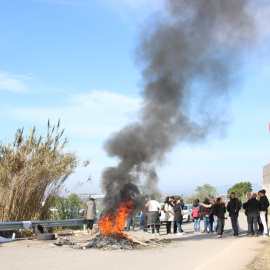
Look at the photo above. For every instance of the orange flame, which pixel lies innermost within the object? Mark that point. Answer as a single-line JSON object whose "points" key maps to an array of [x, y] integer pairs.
{"points": [[112, 225]]}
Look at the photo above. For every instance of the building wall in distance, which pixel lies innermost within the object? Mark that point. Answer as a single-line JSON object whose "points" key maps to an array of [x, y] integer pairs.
{"points": [[87, 196], [266, 179]]}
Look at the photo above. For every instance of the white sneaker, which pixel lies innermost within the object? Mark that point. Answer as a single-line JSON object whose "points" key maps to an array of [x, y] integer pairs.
{"points": [[195, 232], [179, 233], [199, 232]]}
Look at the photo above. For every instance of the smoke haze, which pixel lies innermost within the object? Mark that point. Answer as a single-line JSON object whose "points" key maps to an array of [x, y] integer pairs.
{"points": [[190, 59]]}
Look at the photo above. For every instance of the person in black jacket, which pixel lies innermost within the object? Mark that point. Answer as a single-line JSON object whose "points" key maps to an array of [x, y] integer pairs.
{"points": [[207, 211], [220, 213], [233, 207], [182, 204], [264, 204], [178, 216], [252, 207]]}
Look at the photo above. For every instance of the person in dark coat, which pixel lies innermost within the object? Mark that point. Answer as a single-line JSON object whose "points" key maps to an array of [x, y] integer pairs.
{"points": [[207, 211], [214, 216], [178, 216], [173, 202], [182, 204], [252, 206], [145, 216], [264, 204], [233, 207], [211, 217], [220, 213]]}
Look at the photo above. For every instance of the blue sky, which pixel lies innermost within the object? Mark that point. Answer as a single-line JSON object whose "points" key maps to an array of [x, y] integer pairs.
{"points": [[74, 60]]}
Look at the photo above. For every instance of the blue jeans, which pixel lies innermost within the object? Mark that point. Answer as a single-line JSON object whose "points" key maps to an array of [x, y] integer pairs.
{"points": [[130, 222], [207, 224], [215, 224], [197, 222], [141, 221], [178, 226]]}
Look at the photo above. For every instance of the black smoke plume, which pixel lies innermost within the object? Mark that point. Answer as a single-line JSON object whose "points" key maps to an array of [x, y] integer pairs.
{"points": [[191, 57]]}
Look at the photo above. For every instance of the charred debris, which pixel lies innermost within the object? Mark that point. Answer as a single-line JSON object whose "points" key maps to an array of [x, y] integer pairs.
{"points": [[102, 242]]}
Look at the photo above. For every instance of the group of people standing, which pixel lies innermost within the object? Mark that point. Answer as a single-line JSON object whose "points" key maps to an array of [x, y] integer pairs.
{"points": [[173, 210], [257, 211], [212, 211]]}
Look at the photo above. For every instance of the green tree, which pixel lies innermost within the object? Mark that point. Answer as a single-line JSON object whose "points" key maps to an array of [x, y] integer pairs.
{"points": [[240, 189], [67, 208], [33, 170], [205, 191]]}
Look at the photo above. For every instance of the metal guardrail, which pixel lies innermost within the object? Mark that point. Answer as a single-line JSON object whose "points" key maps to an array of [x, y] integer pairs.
{"points": [[18, 225], [9, 226]]}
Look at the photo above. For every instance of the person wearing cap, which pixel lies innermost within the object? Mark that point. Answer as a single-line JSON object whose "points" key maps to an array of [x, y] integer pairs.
{"points": [[233, 207], [90, 214], [264, 204]]}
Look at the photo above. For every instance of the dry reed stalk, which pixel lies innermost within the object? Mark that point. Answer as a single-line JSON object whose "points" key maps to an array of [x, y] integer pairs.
{"points": [[33, 170]]}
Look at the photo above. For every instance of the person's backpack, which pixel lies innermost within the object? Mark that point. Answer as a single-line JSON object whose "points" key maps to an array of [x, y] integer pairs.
{"points": [[195, 212]]}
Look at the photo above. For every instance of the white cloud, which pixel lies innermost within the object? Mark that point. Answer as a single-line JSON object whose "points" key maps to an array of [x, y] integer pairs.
{"points": [[13, 82], [94, 115], [21, 83]]}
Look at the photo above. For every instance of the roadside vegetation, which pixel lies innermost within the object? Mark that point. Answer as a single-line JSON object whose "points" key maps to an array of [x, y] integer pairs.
{"points": [[33, 171], [67, 208], [240, 189]]}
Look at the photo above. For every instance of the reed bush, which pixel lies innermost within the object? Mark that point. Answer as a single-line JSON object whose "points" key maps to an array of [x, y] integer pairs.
{"points": [[33, 170]]}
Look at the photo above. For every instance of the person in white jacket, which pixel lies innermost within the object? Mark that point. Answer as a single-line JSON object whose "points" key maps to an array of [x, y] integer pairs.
{"points": [[169, 213]]}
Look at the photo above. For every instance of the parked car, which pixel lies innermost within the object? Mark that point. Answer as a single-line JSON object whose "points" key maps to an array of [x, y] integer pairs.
{"points": [[162, 214], [187, 209]]}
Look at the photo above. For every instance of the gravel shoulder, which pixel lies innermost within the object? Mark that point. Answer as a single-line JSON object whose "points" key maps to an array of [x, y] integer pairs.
{"points": [[262, 259]]}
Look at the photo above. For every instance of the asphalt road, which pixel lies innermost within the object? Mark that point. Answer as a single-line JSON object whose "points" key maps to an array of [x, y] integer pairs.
{"points": [[190, 251]]}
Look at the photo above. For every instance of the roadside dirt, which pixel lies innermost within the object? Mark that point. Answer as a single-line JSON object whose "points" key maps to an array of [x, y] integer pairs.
{"points": [[262, 259]]}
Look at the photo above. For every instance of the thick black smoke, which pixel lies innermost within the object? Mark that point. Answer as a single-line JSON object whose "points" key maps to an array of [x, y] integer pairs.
{"points": [[190, 59]]}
